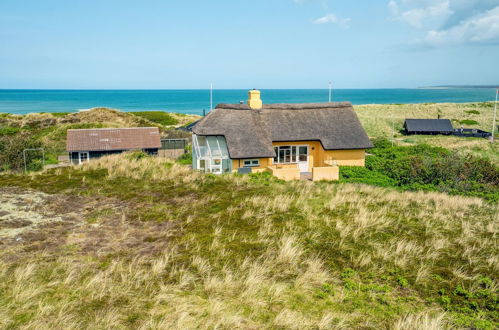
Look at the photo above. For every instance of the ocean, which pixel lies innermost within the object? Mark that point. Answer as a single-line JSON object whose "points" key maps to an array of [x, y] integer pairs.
{"points": [[194, 101]]}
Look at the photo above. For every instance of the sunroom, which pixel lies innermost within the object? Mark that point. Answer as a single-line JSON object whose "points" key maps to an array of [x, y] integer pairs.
{"points": [[210, 154]]}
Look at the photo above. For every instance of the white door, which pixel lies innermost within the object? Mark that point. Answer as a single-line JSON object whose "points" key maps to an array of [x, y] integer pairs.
{"points": [[216, 166], [83, 157], [303, 158]]}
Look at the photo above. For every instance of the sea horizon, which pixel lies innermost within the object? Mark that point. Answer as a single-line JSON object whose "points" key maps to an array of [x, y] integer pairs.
{"points": [[197, 101]]}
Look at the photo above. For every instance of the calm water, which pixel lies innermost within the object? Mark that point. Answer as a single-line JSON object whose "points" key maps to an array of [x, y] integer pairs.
{"points": [[194, 101]]}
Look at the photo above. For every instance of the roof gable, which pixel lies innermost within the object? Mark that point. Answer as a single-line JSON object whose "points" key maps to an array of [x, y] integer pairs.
{"points": [[250, 133], [103, 139]]}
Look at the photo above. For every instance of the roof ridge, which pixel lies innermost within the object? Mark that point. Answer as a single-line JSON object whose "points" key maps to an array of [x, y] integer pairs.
{"points": [[287, 106], [109, 128]]}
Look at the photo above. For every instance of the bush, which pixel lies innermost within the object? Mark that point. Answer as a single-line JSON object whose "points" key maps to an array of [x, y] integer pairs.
{"points": [[9, 130], [424, 167], [356, 174], [185, 159], [11, 152], [473, 112], [468, 122], [136, 155], [160, 117]]}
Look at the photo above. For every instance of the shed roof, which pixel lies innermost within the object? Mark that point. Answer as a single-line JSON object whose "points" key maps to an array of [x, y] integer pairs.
{"points": [[428, 125], [103, 139], [250, 133]]}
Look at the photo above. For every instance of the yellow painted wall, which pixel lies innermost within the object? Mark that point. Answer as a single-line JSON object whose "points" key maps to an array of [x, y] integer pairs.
{"points": [[354, 157], [327, 173], [317, 156], [264, 163], [285, 173]]}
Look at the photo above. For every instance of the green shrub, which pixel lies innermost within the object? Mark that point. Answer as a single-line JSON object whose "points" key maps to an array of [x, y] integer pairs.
{"points": [[9, 130], [473, 112], [160, 117], [468, 122], [137, 155], [355, 174], [185, 159], [402, 282], [427, 168], [11, 152]]}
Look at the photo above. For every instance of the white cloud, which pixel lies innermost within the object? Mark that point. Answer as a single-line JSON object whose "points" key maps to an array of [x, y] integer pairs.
{"points": [[448, 22], [332, 18], [479, 29], [423, 14]]}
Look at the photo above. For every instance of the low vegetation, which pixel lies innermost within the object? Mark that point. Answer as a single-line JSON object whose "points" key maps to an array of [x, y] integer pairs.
{"points": [[159, 117], [424, 167], [130, 241], [180, 249], [382, 120], [48, 131]]}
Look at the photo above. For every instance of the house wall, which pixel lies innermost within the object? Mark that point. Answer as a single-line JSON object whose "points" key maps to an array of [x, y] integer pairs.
{"points": [[354, 157], [317, 156], [74, 156]]}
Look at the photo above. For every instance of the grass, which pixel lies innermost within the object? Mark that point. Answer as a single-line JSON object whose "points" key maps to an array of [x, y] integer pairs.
{"points": [[159, 117], [49, 130], [468, 122], [247, 252], [378, 119], [130, 241]]}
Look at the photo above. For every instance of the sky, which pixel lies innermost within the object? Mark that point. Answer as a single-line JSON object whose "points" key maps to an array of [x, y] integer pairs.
{"points": [[173, 44]]}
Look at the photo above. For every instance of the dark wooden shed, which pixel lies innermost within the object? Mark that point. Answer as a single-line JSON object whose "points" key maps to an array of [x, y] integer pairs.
{"points": [[428, 126]]}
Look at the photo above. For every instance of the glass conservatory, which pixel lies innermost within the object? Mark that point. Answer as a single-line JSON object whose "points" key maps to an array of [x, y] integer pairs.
{"points": [[210, 154]]}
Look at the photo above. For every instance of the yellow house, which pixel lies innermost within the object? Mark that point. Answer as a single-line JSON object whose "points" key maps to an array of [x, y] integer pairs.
{"points": [[288, 140]]}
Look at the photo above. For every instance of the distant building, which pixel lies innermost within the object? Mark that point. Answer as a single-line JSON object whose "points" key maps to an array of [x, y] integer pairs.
{"points": [[85, 144], [287, 140], [428, 126]]}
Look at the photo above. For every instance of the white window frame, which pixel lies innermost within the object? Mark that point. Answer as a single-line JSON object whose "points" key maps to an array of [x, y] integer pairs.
{"points": [[213, 153], [252, 163], [294, 151], [79, 157]]}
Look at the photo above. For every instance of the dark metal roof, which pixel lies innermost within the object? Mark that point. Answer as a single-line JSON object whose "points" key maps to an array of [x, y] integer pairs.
{"points": [[250, 133], [188, 128], [100, 139], [428, 125]]}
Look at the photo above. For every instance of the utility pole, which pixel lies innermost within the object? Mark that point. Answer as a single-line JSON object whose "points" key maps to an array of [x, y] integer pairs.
{"points": [[494, 120], [330, 92], [211, 97]]}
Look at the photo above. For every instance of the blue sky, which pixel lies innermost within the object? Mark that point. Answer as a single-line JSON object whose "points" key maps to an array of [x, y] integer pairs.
{"points": [[248, 44]]}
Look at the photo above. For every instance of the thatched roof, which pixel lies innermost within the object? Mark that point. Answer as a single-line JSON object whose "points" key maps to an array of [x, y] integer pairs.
{"points": [[250, 133]]}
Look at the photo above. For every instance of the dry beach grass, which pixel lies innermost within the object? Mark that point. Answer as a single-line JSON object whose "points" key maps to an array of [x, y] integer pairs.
{"points": [[250, 252], [378, 120]]}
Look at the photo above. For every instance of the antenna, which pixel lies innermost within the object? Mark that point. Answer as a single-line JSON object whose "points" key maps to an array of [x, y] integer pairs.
{"points": [[330, 91], [494, 120], [211, 97]]}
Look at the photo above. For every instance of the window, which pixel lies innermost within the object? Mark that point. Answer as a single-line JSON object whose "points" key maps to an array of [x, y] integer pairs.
{"points": [[251, 162], [290, 154], [83, 157]]}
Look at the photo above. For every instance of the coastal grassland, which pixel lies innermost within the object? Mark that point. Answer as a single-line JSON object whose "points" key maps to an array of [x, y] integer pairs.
{"points": [[246, 252], [167, 118], [49, 131], [377, 120]]}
